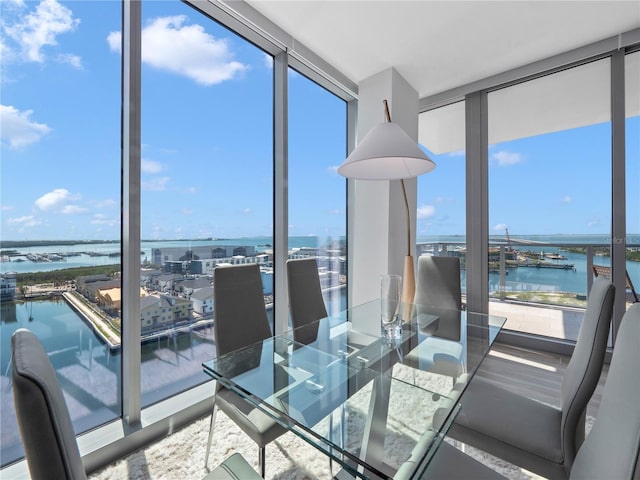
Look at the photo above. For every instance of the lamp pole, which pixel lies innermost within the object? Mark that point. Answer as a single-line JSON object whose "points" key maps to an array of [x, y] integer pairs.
{"points": [[408, 277]]}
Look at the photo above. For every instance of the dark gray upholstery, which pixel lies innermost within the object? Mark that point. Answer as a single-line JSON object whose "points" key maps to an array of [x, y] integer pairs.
{"points": [[45, 425], [612, 448], [438, 302], [439, 295], [306, 304], [43, 419], [438, 282], [241, 320], [541, 438], [450, 463]]}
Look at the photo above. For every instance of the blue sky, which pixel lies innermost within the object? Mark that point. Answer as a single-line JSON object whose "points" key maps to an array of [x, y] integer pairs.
{"points": [[207, 140]]}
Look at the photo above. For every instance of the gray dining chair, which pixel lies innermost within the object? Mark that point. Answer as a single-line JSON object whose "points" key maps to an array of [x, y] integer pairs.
{"points": [[438, 282], [437, 312], [542, 438], [306, 305], [45, 425], [240, 319], [611, 450]]}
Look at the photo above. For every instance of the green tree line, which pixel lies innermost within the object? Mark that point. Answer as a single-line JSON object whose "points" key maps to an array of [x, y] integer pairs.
{"points": [[64, 275]]}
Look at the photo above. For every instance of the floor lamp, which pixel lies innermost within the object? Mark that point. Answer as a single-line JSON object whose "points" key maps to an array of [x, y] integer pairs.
{"points": [[388, 153]]}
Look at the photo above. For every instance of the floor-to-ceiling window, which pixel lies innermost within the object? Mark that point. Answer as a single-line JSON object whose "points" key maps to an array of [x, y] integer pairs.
{"points": [[207, 189], [317, 193], [206, 183], [632, 156], [441, 209], [60, 202], [549, 193]]}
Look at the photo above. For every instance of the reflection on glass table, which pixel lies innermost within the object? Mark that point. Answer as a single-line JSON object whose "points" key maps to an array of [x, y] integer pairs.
{"points": [[363, 399]]}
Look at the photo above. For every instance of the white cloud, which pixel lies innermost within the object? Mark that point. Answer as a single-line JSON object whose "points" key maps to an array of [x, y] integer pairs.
{"points": [[268, 61], [114, 39], [40, 28], [246, 211], [168, 44], [59, 201], [426, 211], [73, 60], [73, 210], [333, 168], [18, 129], [505, 158], [501, 227], [26, 221], [6, 208], [151, 166], [108, 203], [157, 184], [566, 199], [102, 219]]}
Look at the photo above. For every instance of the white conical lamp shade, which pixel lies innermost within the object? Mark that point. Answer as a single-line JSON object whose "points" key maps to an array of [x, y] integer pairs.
{"points": [[386, 153]]}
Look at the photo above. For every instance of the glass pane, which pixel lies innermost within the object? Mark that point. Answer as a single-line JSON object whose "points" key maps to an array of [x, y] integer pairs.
{"points": [[317, 193], [549, 196], [632, 80], [441, 216], [60, 197], [207, 183]]}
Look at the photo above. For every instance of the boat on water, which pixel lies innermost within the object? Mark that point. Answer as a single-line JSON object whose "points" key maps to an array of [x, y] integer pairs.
{"points": [[554, 256], [558, 266]]}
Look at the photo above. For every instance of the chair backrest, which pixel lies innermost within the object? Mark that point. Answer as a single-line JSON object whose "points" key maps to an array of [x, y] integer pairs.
{"points": [[612, 448], [438, 294], [240, 318], [585, 366], [438, 282], [306, 304], [43, 418]]}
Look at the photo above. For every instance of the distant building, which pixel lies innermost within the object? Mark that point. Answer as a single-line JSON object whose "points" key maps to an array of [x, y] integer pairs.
{"points": [[267, 281], [202, 299], [165, 283], [8, 283], [88, 285], [207, 266], [187, 285], [158, 312], [110, 299], [160, 256]]}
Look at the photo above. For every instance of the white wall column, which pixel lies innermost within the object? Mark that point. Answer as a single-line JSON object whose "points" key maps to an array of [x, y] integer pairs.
{"points": [[377, 223]]}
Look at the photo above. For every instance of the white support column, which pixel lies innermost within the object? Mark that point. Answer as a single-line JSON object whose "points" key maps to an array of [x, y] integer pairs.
{"points": [[378, 229]]}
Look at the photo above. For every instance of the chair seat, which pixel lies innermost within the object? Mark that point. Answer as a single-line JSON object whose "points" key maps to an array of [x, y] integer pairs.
{"points": [[505, 420], [233, 468], [446, 362], [259, 426], [449, 463]]}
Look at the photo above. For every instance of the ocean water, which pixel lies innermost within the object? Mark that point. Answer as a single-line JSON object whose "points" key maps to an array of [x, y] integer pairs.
{"points": [[517, 279], [109, 253], [547, 279]]}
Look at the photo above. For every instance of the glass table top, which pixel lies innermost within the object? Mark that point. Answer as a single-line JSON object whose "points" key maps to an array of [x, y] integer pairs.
{"points": [[364, 399]]}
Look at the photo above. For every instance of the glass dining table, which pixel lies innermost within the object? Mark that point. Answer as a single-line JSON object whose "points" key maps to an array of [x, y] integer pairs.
{"points": [[376, 404]]}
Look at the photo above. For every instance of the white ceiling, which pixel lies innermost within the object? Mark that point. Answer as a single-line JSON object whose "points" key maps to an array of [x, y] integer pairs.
{"points": [[439, 45]]}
